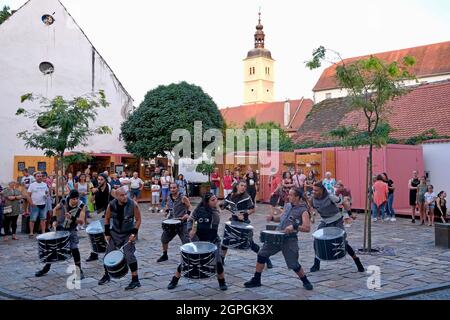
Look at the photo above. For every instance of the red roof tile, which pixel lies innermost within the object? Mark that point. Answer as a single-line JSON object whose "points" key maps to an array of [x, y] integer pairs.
{"points": [[433, 59], [425, 107], [266, 112]]}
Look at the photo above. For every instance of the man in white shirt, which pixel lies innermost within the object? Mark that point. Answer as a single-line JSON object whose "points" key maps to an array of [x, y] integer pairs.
{"points": [[136, 185], [37, 194], [125, 182], [299, 179]]}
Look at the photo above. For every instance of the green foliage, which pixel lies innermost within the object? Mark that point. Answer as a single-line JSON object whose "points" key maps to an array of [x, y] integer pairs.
{"points": [[205, 168], [66, 122], [285, 142], [148, 130], [77, 157], [5, 13], [425, 136], [352, 137]]}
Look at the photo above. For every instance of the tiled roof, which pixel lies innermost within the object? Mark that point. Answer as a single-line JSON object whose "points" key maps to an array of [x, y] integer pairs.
{"points": [[433, 59], [266, 112], [425, 107]]}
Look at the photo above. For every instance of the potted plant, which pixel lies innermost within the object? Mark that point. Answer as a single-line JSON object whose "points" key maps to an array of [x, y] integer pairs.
{"points": [[206, 169]]}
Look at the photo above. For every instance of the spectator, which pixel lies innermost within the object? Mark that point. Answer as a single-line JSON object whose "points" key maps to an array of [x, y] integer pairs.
{"points": [[299, 179], [11, 210], [1, 210], [412, 187], [182, 185], [157, 174], [26, 181], [380, 196], [440, 211], [90, 203], [227, 182], [70, 181], [108, 177], [309, 183], [136, 185], [342, 191], [236, 179], [38, 193], [156, 192], [215, 182], [48, 181], [275, 189], [390, 203], [115, 182], [166, 180], [252, 182], [430, 204], [286, 185], [329, 183], [94, 179], [82, 187], [421, 190], [125, 182], [77, 177]]}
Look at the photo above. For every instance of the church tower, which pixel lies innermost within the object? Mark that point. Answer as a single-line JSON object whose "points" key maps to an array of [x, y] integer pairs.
{"points": [[259, 71]]}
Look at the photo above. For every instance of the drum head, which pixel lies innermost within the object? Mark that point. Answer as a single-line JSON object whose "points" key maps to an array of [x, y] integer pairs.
{"points": [[94, 228], [239, 225], [329, 233], [171, 221], [273, 232], [53, 235], [198, 247], [113, 258]]}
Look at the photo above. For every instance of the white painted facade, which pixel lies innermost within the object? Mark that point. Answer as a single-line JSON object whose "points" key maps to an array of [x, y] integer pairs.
{"points": [[78, 70], [437, 164], [319, 96]]}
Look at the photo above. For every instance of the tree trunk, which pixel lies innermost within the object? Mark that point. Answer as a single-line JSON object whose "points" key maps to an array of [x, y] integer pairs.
{"points": [[369, 224], [367, 211]]}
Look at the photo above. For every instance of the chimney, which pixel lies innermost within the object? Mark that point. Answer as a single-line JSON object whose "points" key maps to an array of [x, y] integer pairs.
{"points": [[287, 113]]}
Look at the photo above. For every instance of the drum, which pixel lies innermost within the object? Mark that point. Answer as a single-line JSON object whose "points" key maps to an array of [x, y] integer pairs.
{"points": [[237, 235], [54, 246], [272, 226], [95, 230], [272, 237], [198, 260], [171, 225], [116, 264], [329, 243]]}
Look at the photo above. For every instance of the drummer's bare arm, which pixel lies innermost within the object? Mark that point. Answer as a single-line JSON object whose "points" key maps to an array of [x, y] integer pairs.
{"points": [[137, 216], [108, 215], [80, 219], [306, 223]]}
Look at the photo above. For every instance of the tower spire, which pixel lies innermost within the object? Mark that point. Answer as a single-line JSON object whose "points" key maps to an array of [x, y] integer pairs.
{"points": [[259, 34]]}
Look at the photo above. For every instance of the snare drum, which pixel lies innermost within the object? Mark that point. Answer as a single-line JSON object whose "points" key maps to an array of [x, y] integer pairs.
{"points": [[171, 226], [96, 235], [116, 264], [237, 235], [272, 237], [329, 243], [198, 260], [54, 246]]}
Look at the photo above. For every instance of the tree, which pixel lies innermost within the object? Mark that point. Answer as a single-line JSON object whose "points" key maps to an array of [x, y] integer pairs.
{"points": [[206, 169], [65, 124], [5, 13], [148, 131], [371, 83]]}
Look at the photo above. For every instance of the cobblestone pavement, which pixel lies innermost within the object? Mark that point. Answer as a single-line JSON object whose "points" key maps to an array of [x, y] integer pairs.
{"points": [[410, 260], [436, 295]]}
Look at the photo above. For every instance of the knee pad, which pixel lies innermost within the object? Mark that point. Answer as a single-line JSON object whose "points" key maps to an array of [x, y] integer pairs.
{"points": [[133, 266], [261, 259]]}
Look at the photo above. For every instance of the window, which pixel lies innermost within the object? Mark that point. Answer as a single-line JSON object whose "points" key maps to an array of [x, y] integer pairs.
{"points": [[328, 95], [47, 19], [46, 67], [268, 70], [250, 71], [267, 90], [253, 68], [253, 90]]}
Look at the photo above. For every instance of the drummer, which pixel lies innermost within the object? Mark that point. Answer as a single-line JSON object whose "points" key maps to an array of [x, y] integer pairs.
{"points": [[242, 206], [327, 205], [126, 220], [178, 207], [67, 215], [203, 226], [294, 219]]}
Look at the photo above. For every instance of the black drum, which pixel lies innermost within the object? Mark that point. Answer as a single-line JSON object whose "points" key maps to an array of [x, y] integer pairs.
{"points": [[54, 246], [95, 230], [329, 243], [237, 235], [198, 260], [272, 226], [272, 237], [116, 264], [171, 225]]}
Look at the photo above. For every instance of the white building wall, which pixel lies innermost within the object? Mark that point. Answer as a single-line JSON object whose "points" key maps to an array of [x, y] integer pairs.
{"points": [[437, 164], [26, 42], [319, 96]]}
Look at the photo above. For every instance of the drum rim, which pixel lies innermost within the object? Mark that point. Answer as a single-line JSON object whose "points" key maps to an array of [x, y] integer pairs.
{"points": [[114, 251], [277, 232], [58, 234], [246, 226], [343, 233], [206, 243], [177, 221]]}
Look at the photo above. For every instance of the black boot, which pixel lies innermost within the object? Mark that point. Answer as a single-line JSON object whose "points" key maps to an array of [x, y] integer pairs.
{"points": [[254, 282], [43, 272], [359, 264], [104, 279], [306, 284], [269, 264], [92, 257], [164, 257], [222, 285], [173, 283], [316, 265], [133, 284]]}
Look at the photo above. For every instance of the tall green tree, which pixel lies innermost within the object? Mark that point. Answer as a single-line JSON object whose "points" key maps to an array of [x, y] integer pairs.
{"points": [[5, 13], [371, 84], [147, 132], [64, 124]]}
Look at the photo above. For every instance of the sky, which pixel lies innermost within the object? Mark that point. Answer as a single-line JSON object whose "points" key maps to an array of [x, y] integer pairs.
{"points": [[151, 43]]}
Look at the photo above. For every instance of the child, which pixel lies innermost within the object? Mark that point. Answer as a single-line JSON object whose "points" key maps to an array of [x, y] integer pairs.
{"points": [[430, 203], [156, 189]]}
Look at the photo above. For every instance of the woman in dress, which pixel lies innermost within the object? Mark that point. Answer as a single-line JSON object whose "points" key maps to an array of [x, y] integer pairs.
{"points": [[412, 186], [440, 211], [11, 209], [422, 188]]}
